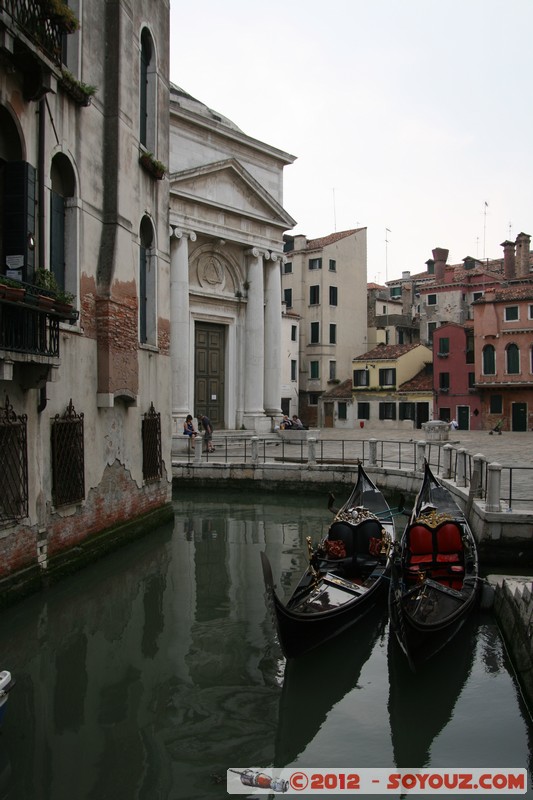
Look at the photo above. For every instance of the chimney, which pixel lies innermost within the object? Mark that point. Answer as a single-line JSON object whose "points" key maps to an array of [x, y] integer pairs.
{"points": [[508, 260], [440, 255], [522, 255]]}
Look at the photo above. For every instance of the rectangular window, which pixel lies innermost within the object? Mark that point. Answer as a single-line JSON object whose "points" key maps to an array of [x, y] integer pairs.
{"points": [[396, 291], [432, 300], [68, 471], [360, 377], [293, 369], [387, 377], [496, 404], [287, 267], [332, 370], [315, 332], [477, 296], [511, 313], [363, 410], [342, 410], [471, 380], [315, 263], [313, 399], [314, 370], [444, 380], [470, 347], [314, 295], [14, 472], [294, 333], [287, 297], [432, 326], [530, 311], [406, 411], [333, 295], [332, 265], [444, 346], [387, 410], [333, 334]]}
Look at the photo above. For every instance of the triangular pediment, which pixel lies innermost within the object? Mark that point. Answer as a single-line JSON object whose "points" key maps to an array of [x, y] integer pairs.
{"points": [[227, 185]]}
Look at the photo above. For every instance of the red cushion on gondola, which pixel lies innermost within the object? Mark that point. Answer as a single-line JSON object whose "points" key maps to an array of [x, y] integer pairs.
{"points": [[335, 548], [420, 540], [448, 558], [449, 538]]}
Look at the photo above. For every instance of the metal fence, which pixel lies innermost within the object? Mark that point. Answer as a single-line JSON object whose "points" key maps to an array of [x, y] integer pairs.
{"points": [[516, 487]]}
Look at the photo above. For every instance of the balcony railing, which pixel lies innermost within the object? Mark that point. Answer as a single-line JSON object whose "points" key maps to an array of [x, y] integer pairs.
{"points": [[37, 24], [30, 323]]}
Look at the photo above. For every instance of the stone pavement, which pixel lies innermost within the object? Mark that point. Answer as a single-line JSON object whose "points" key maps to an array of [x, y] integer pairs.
{"points": [[509, 449]]}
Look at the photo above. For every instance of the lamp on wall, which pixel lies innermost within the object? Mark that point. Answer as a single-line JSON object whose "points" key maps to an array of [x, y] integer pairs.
{"points": [[370, 365]]}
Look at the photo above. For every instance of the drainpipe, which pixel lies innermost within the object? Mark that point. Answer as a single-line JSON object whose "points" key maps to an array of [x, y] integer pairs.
{"points": [[40, 181]]}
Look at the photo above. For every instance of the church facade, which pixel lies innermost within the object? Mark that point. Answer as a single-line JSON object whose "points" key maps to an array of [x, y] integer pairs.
{"points": [[226, 250]]}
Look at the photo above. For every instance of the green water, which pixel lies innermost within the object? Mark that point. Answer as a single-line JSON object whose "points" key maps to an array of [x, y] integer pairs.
{"points": [[150, 673]]}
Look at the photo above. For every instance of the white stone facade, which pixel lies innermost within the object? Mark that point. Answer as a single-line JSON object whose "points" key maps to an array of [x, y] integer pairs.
{"points": [[227, 223]]}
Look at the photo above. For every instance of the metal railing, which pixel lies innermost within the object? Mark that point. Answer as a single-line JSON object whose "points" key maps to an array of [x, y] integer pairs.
{"points": [[38, 25], [515, 483]]}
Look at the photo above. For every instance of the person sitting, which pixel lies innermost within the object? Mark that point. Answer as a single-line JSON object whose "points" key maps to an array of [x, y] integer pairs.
{"points": [[297, 424], [286, 423], [188, 430]]}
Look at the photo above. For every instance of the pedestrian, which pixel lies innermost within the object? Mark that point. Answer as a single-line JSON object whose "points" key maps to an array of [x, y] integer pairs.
{"points": [[188, 430], [205, 422], [454, 425]]}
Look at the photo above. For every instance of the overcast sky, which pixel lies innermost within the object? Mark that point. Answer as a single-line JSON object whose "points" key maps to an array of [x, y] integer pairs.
{"points": [[407, 115]]}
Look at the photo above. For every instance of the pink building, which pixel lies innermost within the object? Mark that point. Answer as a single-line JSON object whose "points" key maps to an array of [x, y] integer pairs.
{"points": [[455, 393], [503, 324]]}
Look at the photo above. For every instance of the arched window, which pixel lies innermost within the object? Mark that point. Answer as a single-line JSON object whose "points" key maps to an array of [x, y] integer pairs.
{"points": [[147, 92], [63, 226], [512, 354], [147, 284], [489, 360]]}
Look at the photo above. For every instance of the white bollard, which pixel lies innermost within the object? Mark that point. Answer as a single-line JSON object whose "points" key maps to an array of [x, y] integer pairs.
{"points": [[420, 456], [373, 454], [311, 452], [460, 477], [255, 449], [494, 484], [447, 451]]}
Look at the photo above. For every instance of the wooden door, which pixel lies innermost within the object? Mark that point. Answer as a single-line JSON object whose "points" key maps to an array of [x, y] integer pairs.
{"points": [[209, 349]]}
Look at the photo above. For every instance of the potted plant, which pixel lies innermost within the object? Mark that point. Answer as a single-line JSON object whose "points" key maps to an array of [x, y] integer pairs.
{"points": [[81, 92], [60, 14], [149, 162], [46, 280], [11, 290]]}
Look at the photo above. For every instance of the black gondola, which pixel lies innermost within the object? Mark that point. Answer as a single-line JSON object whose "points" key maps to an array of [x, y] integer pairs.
{"points": [[434, 576], [348, 573]]}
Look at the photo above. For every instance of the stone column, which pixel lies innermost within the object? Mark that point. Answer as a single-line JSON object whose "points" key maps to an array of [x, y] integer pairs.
{"points": [[180, 326], [272, 399], [254, 355]]}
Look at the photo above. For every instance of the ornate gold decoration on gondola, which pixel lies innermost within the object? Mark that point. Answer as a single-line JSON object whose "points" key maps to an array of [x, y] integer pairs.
{"points": [[354, 515], [433, 518]]}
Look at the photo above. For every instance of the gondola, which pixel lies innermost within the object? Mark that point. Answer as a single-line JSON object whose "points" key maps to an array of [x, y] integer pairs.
{"points": [[6, 684], [434, 575], [347, 574]]}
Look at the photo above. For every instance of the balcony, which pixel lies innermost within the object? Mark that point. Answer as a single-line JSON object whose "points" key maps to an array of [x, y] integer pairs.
{"points": [[41, 23], [30, 321]]}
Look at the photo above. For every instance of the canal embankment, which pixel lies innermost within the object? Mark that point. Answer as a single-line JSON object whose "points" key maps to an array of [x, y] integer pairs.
{"points": [[511, 600]]}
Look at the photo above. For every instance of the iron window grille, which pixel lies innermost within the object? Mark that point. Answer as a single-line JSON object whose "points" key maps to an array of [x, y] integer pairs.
{"points": [[13, 465], [151, 440], [68, 465]]}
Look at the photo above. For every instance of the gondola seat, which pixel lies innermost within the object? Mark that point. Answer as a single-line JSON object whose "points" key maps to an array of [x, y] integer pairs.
{"points": [[439, 552], [357, 542], [341, 533], [367, 534]]}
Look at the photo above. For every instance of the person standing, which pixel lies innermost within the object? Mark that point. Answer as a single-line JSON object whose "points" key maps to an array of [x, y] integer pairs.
{"points": [[208, 432]]}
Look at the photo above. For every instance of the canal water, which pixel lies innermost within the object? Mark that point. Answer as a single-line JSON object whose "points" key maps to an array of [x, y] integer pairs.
{"points": [[150, 673]]}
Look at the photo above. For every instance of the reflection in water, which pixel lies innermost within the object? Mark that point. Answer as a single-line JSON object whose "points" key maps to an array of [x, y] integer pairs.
{"points": [[426, 699], [150, 673]]}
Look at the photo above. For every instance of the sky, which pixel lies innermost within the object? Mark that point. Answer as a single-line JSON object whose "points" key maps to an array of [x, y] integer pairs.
{"points": [[413, 119]]}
